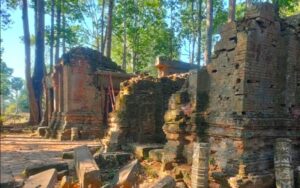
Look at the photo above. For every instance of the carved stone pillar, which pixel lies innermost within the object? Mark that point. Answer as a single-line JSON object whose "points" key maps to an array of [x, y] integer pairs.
{"points": [[283, 163], [199, 175]]}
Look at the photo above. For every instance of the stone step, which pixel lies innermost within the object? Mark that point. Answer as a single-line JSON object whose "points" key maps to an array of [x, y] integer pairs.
{"points": [[87, 170], [165, 182], [37, 168], [141, 151], [46, 179]]}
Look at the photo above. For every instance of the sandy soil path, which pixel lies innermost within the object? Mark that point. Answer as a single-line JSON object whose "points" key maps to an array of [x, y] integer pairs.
{"points": [[20, 150]]}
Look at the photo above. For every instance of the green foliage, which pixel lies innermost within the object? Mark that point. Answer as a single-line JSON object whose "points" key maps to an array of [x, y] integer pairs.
{"points": [[16, 83], [11, 108], [5, 75]]}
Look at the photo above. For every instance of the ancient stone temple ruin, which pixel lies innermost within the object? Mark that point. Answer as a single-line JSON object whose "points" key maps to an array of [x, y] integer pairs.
{"points": [[84, 84], [243, 101], [237, 107]]}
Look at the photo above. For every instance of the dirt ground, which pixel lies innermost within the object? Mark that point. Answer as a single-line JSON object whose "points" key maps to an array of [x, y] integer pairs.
{"points": [[21, 150]]}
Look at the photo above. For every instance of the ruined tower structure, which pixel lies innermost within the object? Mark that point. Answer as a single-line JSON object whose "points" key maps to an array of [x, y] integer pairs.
{"points": [[83, 84], [240, 103], [243, 101]]}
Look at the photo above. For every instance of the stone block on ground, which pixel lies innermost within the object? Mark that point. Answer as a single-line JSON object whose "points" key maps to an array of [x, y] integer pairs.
{"points": [[6, 179], [141, 151], [37, 168], [62, 173], [65, 182], [86, 168], [112, 159], [68, 155], [127, 176], [46, 179], [41, 131], [181, 184], [165, 182], [156, 154]]}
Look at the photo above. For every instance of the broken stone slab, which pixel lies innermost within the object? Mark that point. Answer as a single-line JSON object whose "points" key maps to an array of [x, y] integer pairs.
{"points": [[165, 182], [46, 179], [128, 175], [156, 154], [61, 174], [68, 155], [37, 168], [65, 182], [6, 180], [141, 151], [181, 184], [112, 159], [86, 168]]}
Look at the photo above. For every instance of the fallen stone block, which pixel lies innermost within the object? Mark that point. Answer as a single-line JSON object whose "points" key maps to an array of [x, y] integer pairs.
{"points": [[62, 173], [181, 184], [41, 131], [165, 182], [65, 182], [46, 179], [127, 176], [37, 168], [141, 151], [86, 168], [156, 154], [112, 159], [68, 155], [6, 180]]}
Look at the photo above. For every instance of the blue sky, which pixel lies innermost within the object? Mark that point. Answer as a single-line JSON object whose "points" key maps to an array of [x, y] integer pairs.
{"points": [[13, 54]]}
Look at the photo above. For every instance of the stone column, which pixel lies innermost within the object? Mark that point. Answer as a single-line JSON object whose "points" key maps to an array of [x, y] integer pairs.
{"points": [[283, 163], [200, 165], [298, 177]]}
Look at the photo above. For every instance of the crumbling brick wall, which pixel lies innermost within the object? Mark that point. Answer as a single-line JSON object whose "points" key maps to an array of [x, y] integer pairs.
{"points": [[246, 98], [140, 107], [253, 96]]}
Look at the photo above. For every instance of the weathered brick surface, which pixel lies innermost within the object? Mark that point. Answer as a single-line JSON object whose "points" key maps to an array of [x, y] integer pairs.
{"points": [[80, 83], [140, 108], [246, 98]]}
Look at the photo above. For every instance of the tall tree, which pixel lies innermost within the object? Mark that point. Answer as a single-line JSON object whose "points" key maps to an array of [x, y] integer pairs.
{"points": [[63, 27], [209, 29], [199, 22], [124, 37], [52, 35], [102, 27], [39, 66], [33, 118], [231, 12], [109, 28], [58, 30]]}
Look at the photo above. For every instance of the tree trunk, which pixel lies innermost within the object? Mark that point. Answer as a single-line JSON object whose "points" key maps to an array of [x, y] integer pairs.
{"points": [[193, 35], [102, 27], [58, 30], [209, 27], [125, 40], [231, 12], [45, 119], [33, 118], [109, 28], [52, 36], [199, 32], [38, 73], [63, 28]]}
